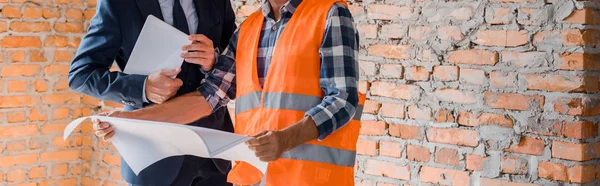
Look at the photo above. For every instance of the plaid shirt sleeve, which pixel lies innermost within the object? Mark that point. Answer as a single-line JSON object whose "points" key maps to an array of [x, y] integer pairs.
{"points": [[339, 72], [218, 87]]}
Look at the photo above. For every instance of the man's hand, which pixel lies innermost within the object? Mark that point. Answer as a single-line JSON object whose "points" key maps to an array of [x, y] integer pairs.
{"points": [[200, 52], [104, 130], [269, 145], [160, 87]]}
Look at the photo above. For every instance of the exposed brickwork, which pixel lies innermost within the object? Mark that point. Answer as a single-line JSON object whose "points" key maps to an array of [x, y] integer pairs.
{"points": [[498, 92]]}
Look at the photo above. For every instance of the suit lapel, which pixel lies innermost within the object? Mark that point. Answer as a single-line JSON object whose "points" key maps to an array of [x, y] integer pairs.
{"points": [[149, 7], [205, 10]]}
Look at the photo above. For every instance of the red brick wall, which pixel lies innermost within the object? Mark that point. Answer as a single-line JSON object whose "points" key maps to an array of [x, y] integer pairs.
{"points": [[496, 92]]}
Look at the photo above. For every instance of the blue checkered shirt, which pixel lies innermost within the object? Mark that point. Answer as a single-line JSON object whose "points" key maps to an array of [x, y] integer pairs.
{"points": [[339, 66]]}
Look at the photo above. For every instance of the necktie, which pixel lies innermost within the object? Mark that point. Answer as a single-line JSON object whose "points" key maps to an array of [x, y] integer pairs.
{"points": [[180, 22], [179, 19]]}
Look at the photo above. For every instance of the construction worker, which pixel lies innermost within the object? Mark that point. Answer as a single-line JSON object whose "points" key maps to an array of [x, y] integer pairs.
{"points": [[292, 68]]}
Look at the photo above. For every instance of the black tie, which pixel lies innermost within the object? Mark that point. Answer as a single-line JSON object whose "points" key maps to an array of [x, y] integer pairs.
{"points": [[179, 18], [180, 22]]}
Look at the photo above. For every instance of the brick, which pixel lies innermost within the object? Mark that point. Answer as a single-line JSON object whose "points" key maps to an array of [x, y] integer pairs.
{"points": [[373, 128], [524, 59], [397, 91], [40, 86], [37, 172], [495, 119], [583, 16], [500, 15], [87, 181], [419, 33], [391, 149], [503, 79], [453, 136], [389, 12], [68, 27], [417, 73], [17, 56], [578, 61], [419, 113], [513, 101], [7, 161], [62, 84], [367, 31], [16, 101], [15, 175], [61, 113], [56, 69], [74, 14], [417, 153], [371, 107], [450, 33], [32, 12], [582, 173], [16, 116], [475, 162], [552, 171], [61, 99], [576, 37], [387, 169], [463, 13], [60, 181], [392, 110], [577, 106], [444, 115], [56, 41], [558, 83], [502, 38], [393, 31], [580, 129], [514, 165], [445, 73], [115, 173], [17, 86], [497, 182], [528, 145], [472, 76], [366, 147], [391, 51], [368, 68], [88, 100], [443, 176], [11, 12], [50, 13], [246, 10], [30, 26], [21, 42], [447, 156], [392, 71], [364, 86], [53, 128], [406, 132], [455, 96], [63, 56], [60, 169], [474, 57], [18, 131], [60, 156], [18, 145], [88, 14], [19, 70], [574, 151]]}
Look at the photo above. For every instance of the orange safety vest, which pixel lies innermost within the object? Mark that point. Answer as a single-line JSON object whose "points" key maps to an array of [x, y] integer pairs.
{"points": [[291, 89]]}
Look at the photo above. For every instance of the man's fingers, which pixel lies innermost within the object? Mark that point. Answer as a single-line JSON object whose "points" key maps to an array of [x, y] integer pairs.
{"points": [[100, 125], [108, 136], [261, 133], [198, 47], [104, 114], [198, 61], [197, 54], [200, 38], [103, 132], [170, 73]]}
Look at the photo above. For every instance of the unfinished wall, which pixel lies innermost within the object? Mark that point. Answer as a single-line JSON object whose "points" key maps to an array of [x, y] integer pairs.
{"points": [[461, 92]]}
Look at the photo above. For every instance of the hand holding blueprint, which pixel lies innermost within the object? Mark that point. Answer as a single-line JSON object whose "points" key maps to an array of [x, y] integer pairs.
{"points": [[142, 143], [158, 48]]}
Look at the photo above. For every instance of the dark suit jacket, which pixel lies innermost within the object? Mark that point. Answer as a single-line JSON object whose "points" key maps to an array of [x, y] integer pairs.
{"points": [[111, 37]]}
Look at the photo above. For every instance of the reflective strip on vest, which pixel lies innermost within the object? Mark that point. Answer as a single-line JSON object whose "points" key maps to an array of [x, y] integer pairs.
{"points": [[287, 101], [248, 102], [276, 100], [358, 113], [316, 153]]}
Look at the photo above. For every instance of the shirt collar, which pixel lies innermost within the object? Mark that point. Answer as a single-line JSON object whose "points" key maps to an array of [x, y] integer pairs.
{"points": [[289, 7]]}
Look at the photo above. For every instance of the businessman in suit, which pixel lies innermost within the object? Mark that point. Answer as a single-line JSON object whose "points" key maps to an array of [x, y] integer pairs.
{"points": [[111, 37]]}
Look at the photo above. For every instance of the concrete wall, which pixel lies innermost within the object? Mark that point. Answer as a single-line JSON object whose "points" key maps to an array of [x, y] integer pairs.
{"points": [[470, 92]]}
